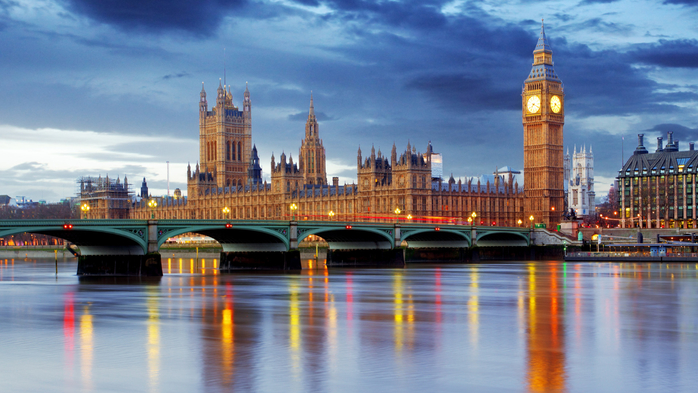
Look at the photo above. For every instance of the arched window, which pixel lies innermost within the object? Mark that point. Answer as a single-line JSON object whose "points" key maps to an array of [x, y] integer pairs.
{"points": [[227, 150], [239, 151], [233, 151]]}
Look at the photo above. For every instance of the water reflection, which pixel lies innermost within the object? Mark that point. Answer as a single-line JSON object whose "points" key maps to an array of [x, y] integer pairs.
{"points": [[153, 347], [86, 347], [546, 370], [537, 327], [69, 333]]}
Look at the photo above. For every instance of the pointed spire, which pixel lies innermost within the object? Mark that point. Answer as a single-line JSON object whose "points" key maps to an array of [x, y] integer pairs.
{"points": [[542, 45], [246, 89], [202, 88], [312, 108]]}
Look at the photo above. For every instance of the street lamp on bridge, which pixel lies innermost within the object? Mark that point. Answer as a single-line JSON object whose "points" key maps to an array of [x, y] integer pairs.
{"points": [[226, 212], [397, 214], [331, 214], [152, 204], [85, 208], [293, 208], [531, 219]]}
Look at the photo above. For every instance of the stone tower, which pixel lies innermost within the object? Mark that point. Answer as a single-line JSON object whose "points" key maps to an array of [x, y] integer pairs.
{"points": [[225, 137], [311, 160], [543, 115], [580, 191]]}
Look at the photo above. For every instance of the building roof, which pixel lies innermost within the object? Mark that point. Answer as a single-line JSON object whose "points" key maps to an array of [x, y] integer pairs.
{"points": [[668, 160], [542, 44]]}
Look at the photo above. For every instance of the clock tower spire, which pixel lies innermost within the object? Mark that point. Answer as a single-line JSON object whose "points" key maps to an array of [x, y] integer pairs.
{"points": [[543, 116]]}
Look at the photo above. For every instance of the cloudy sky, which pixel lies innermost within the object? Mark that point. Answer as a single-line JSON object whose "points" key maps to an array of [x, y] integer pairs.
{"points": [[111, 86]]}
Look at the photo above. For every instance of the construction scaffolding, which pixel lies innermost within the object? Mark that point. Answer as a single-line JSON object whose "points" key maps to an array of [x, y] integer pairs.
{"points": [[103, 197]]}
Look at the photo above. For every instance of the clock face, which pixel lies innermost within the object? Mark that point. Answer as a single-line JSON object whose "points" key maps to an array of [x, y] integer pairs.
{"points": [[555, 104], [533, 104]]}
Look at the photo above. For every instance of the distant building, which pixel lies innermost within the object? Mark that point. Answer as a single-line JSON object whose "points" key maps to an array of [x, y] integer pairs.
{"points": [[5, 200], [106, 198], [579, 182], [658, 190]]}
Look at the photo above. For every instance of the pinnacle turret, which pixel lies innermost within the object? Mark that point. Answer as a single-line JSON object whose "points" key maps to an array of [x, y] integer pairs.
{"points": [[542, 45]]}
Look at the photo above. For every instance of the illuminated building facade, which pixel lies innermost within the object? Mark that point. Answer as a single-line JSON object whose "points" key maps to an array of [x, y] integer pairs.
{"points": [[543, 115], [658, 190], [399, 186], [385, 184]]}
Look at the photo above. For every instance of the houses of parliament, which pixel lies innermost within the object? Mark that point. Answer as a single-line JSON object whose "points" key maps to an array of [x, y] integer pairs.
{"points": [[227, 181]]}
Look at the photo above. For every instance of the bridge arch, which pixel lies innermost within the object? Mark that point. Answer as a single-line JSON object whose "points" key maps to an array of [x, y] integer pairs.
{"points": [[502, 239], [236, 238], [91, 240], [355, 238], [430, 238]]}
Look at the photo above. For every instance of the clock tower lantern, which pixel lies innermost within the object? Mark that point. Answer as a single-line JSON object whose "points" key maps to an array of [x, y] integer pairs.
{"points": [[543, 115]]}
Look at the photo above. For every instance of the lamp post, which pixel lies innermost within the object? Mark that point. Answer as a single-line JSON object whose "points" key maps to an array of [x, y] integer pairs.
{"points": [[293, 208], [85, 208], [472, 218], [152, 204], [226, 212], [409, 216], [397, 214], [470, 221], [330, 214], [519, 222], [531, 219]]}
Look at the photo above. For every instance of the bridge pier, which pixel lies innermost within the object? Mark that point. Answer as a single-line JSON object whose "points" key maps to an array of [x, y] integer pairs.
{"points": [[263, 260], [120, 265], [366, 258]]}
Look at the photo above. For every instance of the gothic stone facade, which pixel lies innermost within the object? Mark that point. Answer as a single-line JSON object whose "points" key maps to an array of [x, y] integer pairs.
{"points": [[579, 178], [384, 184], [543, 114], [224, 176]]}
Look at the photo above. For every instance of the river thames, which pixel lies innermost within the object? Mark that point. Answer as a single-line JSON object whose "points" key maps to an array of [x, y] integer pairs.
{"points": [[505, 327]]}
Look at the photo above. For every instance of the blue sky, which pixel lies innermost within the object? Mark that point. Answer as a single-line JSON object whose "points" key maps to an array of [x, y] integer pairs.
{"points": [[112, 86]]}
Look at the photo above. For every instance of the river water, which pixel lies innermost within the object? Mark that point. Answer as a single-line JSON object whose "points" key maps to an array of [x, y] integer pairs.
{"points": [[504, 327]]}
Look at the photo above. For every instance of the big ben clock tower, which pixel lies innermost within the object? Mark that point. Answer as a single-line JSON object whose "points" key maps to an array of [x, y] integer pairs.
{"points": [[543, 115]]}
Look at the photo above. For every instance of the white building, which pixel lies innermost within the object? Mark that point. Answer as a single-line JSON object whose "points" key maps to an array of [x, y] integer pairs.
{"points": [[579, 182]]}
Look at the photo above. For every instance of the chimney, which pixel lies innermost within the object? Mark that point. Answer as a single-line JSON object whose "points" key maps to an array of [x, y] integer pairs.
{"points": [[676, 144], [669, 138], [335, 181], [690, 146], [659, 144], [640, 145]]}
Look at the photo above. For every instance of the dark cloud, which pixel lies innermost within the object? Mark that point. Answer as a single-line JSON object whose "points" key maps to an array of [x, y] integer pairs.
{"points": [[564, 17], [681, 132], [303, 116], [691, 3], [605, 82], [598, 1], [200, 17], [467, 92], [182, 74], [668, 53], [599, 25]]}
